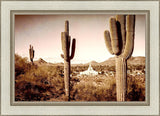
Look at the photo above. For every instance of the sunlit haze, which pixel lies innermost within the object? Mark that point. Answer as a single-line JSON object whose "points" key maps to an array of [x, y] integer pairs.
{"points": [[44, 33]]}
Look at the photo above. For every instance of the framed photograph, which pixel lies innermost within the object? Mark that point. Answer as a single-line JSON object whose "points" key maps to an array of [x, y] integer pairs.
{"points": [[80, 58]]}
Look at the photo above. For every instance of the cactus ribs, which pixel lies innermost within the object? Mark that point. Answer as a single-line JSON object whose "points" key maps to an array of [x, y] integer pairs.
{"points": [[66, 40], [121, 44]]}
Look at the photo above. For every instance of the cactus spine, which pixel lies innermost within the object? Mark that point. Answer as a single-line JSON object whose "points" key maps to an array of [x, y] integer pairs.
{"points": [[31, 53], [121, 44], [65, 41]]}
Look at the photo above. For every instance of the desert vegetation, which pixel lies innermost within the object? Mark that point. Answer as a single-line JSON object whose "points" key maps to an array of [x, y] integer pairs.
{"points": [[45, 82], [117, 79]]}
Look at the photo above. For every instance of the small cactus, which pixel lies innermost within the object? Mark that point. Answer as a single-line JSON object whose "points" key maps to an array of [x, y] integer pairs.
{"points": [[31, 53], [120, 42], [65, 41]]}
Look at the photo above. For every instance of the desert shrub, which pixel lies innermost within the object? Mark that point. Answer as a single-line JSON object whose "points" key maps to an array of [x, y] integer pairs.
{"points": [[103, 88], [136, 88], [140, 67], [46, 83], [79, 68], [21, 65], [40, 83], [136, 67], [29, 91], [94, 89]]}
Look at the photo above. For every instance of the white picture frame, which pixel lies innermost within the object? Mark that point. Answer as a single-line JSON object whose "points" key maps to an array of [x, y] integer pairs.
{"points": [[32, 7]]}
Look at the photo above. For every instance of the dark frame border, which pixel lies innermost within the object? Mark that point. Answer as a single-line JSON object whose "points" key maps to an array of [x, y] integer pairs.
{"points": [[90, 103]]}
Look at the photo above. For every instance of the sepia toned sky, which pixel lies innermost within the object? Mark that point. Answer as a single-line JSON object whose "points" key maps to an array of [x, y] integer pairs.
{"points": [[44, 33]]}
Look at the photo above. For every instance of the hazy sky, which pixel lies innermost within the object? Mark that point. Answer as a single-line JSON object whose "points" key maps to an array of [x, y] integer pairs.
{"points": [[44, 33]]}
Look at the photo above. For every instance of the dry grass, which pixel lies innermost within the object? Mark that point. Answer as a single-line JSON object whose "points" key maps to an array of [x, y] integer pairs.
{"points": [[46, 83], [92, 88]]}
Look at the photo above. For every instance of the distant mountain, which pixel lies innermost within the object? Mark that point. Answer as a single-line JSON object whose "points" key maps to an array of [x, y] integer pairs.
{"points": [[92, 63], [131, 61], [40, 62], [111, 62], [137, 60], [60, 64]]}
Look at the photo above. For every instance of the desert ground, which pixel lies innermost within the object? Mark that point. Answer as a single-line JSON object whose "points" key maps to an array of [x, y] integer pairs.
{"points": [[44, 81]]}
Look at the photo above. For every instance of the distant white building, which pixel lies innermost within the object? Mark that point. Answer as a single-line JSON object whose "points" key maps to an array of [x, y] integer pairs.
{"points": [[89, 71]]}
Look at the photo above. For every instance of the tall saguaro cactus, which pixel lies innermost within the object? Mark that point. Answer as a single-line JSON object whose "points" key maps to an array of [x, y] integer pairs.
{"points": [[120, 42], [31, 53], [65, 41]]}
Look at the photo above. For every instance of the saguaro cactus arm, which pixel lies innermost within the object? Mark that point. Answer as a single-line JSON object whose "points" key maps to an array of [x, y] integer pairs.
{"points": [[66, 47], [73, 49], [108, 41], [114, 36], [121, 26], [130, 29], [121, 36]]}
